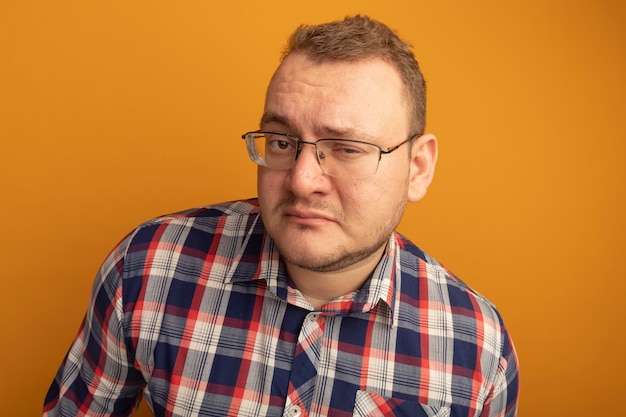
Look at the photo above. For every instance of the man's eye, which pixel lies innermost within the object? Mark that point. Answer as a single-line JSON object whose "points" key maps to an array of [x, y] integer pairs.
{"points": [[282, 144], [347, 150], [279, 145]]}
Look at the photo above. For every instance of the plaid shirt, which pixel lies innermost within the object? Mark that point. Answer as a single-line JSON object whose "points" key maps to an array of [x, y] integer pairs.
{"points": [[196, 312]]}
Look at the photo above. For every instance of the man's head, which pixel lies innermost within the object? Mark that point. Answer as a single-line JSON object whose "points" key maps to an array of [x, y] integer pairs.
{"points": [[324, 219], [358, 38]]}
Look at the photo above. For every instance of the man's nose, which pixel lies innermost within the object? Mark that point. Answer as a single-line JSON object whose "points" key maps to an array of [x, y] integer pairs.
{"points": [[307, 174]]}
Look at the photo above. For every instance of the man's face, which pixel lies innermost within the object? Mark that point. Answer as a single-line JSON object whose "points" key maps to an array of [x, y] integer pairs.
{"points": [[325, 223]]}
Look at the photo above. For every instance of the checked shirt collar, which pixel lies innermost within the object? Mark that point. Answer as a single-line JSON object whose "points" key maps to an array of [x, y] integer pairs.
{"points": [[378, 290]]}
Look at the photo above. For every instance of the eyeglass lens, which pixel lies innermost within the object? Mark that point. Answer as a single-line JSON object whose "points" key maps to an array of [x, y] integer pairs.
{"points": [[337, 157]]}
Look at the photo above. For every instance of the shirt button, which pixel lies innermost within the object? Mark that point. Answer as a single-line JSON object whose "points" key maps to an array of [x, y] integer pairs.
{"points": [[313, 316], [294, 411]]}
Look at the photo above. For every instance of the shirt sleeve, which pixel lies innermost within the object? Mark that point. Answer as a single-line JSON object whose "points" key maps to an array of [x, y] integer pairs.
{"points": [[97, 376], [504, 396]]}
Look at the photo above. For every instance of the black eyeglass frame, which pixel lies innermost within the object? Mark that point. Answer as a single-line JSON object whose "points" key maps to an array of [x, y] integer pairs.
{"points": [[301, 142]]}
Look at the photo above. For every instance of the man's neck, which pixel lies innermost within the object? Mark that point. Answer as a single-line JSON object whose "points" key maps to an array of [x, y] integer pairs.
{"points": [[319, 288]]}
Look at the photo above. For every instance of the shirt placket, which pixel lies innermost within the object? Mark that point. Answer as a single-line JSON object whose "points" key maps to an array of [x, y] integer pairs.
{"points": [[304, 369]]}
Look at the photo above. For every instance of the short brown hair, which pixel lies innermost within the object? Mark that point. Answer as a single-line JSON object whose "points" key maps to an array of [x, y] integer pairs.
{"points": [[360, 37]]}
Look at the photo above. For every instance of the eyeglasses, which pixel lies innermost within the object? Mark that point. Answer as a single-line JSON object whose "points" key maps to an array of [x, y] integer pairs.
{"points": [[337, 157]]}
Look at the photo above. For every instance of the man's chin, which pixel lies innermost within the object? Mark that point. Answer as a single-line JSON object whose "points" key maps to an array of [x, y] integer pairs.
{"points": [[329, 261]]}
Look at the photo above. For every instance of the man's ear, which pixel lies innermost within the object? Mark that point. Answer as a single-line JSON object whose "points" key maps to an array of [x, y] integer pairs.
{"points": [[423, 161]]}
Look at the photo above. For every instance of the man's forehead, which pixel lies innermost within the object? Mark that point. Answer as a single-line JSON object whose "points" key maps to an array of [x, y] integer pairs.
{"points": [[334, 99], [295, 65]]}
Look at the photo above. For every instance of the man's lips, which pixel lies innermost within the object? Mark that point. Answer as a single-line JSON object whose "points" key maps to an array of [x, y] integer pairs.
{"points": [[307, 216]]}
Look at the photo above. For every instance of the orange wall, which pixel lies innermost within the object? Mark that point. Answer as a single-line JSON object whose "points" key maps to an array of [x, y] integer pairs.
{"points": [[114, 112]]}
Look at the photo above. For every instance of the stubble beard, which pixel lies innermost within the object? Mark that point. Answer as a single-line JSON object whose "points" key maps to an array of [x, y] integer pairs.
{"points": [[338, 260]]}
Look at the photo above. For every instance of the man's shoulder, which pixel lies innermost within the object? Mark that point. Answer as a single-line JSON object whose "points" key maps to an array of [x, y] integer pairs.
{"points": [[237, 209], [231, 208], [441, 280], [228, 219]]}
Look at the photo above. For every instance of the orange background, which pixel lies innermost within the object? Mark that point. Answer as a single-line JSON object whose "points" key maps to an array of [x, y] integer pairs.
{"points": [[114, 112]]}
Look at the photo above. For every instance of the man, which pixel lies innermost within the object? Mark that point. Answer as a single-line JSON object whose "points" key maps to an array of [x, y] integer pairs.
{"points": [[304, 302]]}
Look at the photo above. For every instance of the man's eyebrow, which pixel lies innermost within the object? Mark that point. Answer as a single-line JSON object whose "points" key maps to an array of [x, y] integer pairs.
{"points": [[340, 132], [273, 118], [322, 131]]}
